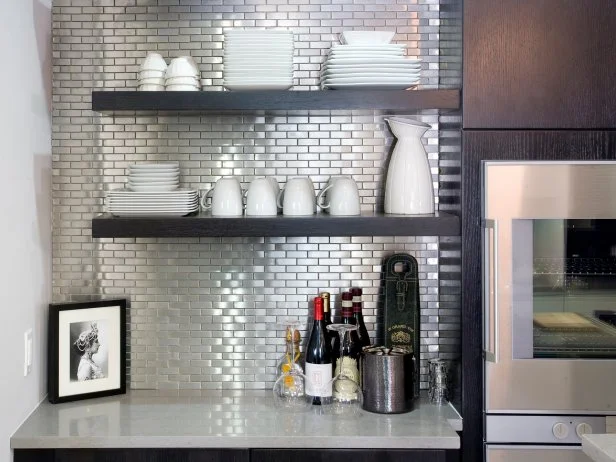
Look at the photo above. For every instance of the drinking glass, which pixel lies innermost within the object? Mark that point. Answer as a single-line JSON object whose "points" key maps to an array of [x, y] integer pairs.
{"points": [[290, 388], [347, 397]]}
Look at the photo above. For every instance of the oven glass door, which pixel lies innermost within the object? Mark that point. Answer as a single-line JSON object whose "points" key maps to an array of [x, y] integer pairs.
{"points": [[550, 287], [564, 288]]}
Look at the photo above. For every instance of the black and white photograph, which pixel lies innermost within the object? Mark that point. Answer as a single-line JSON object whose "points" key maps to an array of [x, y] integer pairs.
{"points": [[89, 355], [87, 350]]}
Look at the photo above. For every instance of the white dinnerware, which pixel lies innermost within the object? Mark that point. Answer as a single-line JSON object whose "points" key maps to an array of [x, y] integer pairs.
{"points": [[297, 197], [151, 88], [340, 197], [257, 59], [261, 198], [225, 198], [367, 37], [153, 62]]}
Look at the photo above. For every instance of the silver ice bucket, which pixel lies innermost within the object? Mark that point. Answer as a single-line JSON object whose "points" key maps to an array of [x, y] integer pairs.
{"points": [[387, 377]]}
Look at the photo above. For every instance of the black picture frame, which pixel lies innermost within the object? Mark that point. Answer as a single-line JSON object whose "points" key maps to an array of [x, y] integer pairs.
{"points": [[86, 350]]}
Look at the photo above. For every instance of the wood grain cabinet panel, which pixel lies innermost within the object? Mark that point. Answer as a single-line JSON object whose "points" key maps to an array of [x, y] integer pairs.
{"points": [[356, 455], [539, 64]]}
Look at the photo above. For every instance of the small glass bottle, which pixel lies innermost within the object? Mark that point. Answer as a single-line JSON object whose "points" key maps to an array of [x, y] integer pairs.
{"points": [[292, 355], [362, 332]]}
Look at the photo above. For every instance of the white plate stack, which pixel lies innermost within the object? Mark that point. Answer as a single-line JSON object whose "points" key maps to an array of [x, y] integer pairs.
{"points": [[362, 64], [256, 59], [152, 73], [154, 177], [125, 203]]}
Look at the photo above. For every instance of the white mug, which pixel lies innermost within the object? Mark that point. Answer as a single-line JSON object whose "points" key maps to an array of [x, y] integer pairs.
{"points": [[261, 198], [297, 197], [340, 197], [226, 198], [275, 188]]}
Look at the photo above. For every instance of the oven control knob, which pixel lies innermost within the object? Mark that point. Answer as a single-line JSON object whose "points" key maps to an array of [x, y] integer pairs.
{"points": [[560, 431], [583, 429]]}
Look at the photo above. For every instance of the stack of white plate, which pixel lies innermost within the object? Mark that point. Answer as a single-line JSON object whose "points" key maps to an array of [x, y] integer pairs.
{"points": [[125, 203], [148, 177], [256, 59], [370, 67]]}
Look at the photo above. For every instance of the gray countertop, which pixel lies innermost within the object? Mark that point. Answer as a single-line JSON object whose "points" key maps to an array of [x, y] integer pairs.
{"points": [[231, 419], [600, 447]]}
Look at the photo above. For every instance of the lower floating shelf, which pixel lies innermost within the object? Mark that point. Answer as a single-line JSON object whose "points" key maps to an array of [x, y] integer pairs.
{"points": [[204, 225]]}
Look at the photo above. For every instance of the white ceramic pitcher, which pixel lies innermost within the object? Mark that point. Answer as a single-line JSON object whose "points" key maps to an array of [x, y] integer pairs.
{"points": [[408, 188]]}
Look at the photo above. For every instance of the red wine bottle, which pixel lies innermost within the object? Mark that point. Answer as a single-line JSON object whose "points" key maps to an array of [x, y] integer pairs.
{"points": [[318, 358], [352, 347], [327, 316], [362, 332]]}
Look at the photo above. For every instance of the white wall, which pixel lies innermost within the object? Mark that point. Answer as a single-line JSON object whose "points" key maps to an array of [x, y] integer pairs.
{"points": [[25, 210]]}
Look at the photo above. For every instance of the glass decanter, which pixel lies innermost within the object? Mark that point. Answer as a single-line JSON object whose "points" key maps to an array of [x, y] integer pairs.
{"points": [[347, 396], [290, 387]]}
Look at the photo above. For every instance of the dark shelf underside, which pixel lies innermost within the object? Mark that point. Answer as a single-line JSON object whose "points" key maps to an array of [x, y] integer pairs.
{"points": [[203, 225], [222, 101]]}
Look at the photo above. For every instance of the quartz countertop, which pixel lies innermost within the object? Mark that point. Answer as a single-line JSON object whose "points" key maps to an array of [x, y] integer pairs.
{"points": [[229, 419], [600, 447]]}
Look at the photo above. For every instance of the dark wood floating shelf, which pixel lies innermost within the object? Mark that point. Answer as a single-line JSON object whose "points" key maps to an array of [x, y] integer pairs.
{"points": [[219, 101], [203, 225]]}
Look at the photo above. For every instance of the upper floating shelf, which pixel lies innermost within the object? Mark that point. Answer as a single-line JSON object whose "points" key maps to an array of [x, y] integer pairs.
{"points": [[219, 101], [202, 225]]}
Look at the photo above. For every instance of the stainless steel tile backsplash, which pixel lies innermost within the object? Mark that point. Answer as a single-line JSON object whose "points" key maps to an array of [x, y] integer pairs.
{"points": [[206, 313]]}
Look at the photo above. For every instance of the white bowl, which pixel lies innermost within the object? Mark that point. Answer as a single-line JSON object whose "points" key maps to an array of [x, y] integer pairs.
{"points": [[152, 81], [182, 81], [184, 66], [367, 37], [153, 62], [152, 180], [151, 74], [151, 88], [181, 88]]}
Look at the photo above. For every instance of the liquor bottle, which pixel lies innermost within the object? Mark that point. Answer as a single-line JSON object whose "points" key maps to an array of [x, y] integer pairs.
{"points": [[351, 348], [292, 355], [362, 332], [327, 315], [318, 358]]}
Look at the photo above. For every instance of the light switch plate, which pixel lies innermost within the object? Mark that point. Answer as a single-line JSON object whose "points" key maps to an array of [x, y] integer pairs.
{"points": [[27, 352]]}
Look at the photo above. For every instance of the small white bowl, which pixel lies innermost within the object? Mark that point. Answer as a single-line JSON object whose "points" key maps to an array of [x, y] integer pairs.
{"points": [[182, 81], [152, 81], [151, 88], [153, 62], [151, 74], [184, 66], [367, 37], [181, 88]]}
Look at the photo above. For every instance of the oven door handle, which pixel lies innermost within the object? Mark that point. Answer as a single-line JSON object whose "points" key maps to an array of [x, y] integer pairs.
{"points": [[490, 290]]}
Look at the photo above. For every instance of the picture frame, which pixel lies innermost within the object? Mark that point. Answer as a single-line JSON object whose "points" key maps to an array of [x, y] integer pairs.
{"points": [[86, 350]]}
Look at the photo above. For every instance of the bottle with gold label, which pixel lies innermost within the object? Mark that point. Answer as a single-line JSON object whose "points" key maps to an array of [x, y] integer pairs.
{"points": [[292, 356]]}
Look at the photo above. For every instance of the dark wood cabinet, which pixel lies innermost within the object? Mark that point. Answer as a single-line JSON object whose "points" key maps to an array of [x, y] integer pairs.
{"points": [[235, 455], [356, 455], [539, 64], [478, 146], [133, 455]]}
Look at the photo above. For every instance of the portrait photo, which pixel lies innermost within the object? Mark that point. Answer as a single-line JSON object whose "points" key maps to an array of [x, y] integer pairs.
{"points": [[87, 350]]}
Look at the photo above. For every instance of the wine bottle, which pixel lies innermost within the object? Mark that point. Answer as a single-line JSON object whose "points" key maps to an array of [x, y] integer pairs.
{"points": [[362, 332], [352, 348], [318, 358], [327, 315]]}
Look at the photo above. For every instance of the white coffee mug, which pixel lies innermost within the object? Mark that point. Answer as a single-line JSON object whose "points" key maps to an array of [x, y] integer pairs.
{"points": [[340, 197], [226, 198], [261, 199], [297, 197], [275, 188]]}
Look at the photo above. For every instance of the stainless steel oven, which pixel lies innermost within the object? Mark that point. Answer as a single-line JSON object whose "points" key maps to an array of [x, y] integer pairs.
{"points": [[549, 281]]}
